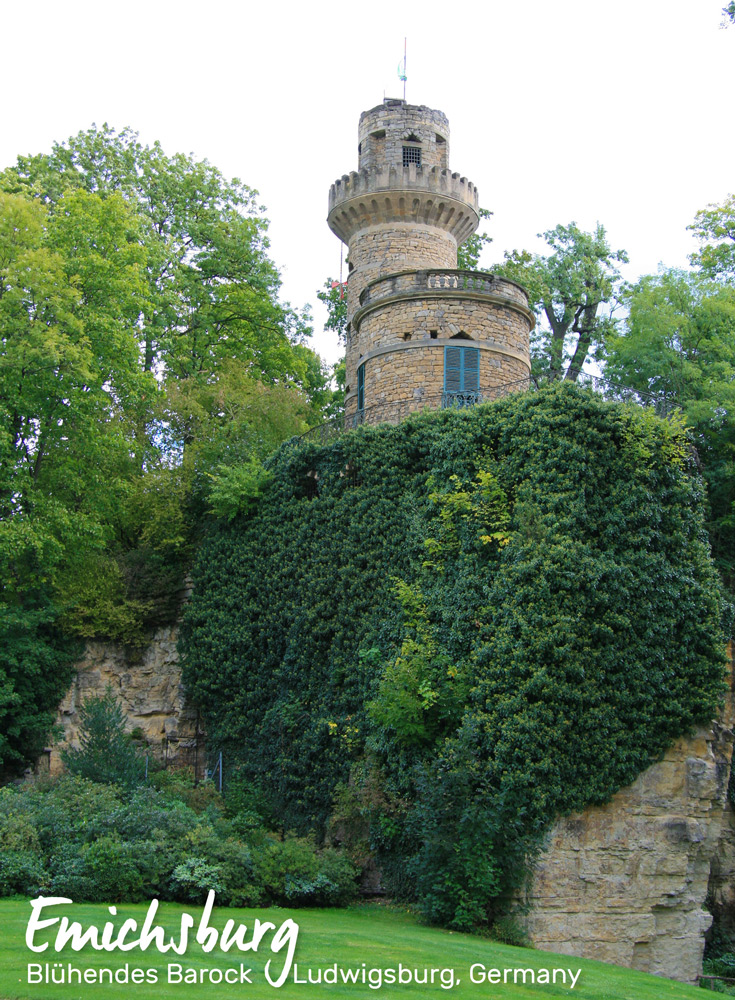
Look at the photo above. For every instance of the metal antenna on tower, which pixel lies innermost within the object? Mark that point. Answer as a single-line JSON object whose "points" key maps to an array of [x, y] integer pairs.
{"points": [[402, 75]]}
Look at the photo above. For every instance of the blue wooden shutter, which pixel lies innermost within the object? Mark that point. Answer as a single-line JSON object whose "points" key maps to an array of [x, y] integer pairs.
{"points": [[452, 369], [471, 369], [361, 387], [461, 369]]}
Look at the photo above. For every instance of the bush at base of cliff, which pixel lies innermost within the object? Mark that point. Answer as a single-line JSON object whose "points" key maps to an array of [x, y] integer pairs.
{"points": [[102, 843]]}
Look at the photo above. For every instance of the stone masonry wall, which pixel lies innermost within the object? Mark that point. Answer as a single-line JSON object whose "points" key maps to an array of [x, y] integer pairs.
{"points": [[148, 685], [397, 121], [414, 374], [388, 248], [627, 882], [405, 322]]}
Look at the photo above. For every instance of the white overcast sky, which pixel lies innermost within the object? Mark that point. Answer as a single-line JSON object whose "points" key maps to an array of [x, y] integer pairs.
{"points": [[579, 110]]}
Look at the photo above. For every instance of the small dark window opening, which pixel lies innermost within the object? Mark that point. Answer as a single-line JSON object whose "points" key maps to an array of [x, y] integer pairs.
{"points": [[461, 336], [310, 485], [411, 154], [440, 140], [406, 336], [359, 149], [350, 474], [361, 388], [433, 333], [412, 138], [378, 135]]}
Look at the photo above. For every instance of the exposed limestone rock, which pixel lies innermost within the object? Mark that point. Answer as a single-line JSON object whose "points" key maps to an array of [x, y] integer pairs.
{"points": [[147, 683], [627, 882], [722, 876]]}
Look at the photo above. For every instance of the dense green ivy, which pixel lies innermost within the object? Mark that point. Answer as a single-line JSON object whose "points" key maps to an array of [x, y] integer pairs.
{"points": [[469, 623]]}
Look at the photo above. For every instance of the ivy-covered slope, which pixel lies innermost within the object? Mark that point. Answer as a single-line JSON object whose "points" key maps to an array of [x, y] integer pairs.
{"points": [[465, 625]]}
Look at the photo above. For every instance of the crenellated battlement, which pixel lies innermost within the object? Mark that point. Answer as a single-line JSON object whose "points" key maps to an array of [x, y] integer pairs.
{"points": [[433, 196], [440, 180]]}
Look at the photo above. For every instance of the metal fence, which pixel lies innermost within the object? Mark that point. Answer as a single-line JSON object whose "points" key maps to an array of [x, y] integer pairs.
{"points": [[185, 753]]}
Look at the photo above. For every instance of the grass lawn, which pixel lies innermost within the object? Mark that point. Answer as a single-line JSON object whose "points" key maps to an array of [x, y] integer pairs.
{"points": [[381, 938]]}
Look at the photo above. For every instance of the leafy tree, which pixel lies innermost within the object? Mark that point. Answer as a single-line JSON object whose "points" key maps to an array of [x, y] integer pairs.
{"points": [[468, 254], [574, 291], [729, 13], [106, 753], [35, 670], [714, 226], [334, 296], [679, 342], [143, 350]]}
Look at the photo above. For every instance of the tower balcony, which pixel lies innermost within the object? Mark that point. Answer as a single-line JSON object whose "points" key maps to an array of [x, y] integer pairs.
{"points": [[445, 334], [434, 286]]}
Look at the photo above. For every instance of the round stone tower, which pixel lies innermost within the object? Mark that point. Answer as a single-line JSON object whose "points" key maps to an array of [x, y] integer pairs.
{"points": [[420, 333]]}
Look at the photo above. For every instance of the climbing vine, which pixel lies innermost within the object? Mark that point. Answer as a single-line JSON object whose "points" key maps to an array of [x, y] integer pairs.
{"points": [[458, 628]]}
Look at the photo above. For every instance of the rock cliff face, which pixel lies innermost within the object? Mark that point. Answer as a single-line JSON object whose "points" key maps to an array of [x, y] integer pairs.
{"points": [[147, 683], [627, 882]]}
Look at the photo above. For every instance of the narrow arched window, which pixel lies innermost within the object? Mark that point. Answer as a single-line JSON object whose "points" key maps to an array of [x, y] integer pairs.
{"points": [[361, 388]]}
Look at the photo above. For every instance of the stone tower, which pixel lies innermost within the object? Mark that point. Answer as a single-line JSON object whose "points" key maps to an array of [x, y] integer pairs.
{"points": [[420, 333]]}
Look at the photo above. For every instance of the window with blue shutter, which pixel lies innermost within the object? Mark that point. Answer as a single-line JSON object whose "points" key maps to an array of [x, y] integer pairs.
{"points": [[461, 376], [361, 388]]}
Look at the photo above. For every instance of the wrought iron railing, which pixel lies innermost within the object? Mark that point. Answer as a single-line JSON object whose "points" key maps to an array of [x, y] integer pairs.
{"points": [[458, 400]]}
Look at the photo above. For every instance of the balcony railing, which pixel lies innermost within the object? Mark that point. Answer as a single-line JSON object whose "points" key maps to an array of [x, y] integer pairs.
{"points": [[458, 400], [411, 283]]}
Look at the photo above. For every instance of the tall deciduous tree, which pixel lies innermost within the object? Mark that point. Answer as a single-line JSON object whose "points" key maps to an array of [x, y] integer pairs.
{"points": [[574, 291], [143, 349], [469, 253], [679, 341], [714, 226]]}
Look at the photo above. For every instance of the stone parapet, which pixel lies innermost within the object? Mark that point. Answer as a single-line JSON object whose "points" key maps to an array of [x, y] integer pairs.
{"points": [[433, 196], [449, 279], [447, 285]]}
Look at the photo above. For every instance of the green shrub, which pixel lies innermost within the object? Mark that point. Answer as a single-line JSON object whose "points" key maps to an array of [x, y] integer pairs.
{"points": [[232, 861], [17, 830], [194, 878], [88, 841], [293, 873], [112, 866], [106, 753], [180, 786], [149, 815], [71, 810], [21, 872]]}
